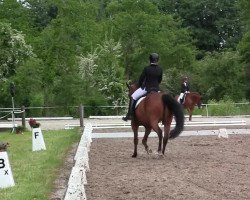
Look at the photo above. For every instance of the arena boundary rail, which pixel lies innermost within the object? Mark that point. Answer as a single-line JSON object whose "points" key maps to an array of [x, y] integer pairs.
{"points": [[196, 124], [78, 179]]}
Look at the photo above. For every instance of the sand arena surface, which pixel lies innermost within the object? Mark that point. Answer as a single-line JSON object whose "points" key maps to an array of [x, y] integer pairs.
{"points": [[194, 167]]}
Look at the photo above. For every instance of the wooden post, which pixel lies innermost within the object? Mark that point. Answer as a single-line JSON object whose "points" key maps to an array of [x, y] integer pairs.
{"points": [[23, 117], [81, 112]]}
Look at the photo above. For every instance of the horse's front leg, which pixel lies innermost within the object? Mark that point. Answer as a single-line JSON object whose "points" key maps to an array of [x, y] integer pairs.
{"points": [[135, 144], [145, 139], [135, 130], [190, 116], [190, 113]]}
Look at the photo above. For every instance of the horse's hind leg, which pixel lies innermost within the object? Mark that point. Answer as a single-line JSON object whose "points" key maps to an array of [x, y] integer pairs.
{"points": [[158, 130], [165, 138], [167, 125], [145, 139], [135, 130]]}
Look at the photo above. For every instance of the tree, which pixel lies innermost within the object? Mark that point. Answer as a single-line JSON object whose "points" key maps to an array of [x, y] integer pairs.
{"points": [[102, 68], [142, 29], [41, 13], [60, 44], [215, 24], [244, 46], [13, 50], [14, 13], [220, 75], [29, 83]]}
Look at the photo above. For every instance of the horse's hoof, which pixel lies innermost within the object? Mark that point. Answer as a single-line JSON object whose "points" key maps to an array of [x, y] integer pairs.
{"points": [[134, 155], [160, 154]]}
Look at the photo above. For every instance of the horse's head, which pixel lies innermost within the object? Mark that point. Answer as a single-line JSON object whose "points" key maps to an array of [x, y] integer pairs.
{"points": [[199, 103], [132, 87], [196, 98]]}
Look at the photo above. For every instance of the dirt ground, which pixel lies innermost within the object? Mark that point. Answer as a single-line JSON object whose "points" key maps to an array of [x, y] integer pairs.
{"points": [[194, 167]]}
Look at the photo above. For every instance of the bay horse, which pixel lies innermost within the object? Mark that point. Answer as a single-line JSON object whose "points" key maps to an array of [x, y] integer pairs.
{"points": [[191, 100], [156, 107]]}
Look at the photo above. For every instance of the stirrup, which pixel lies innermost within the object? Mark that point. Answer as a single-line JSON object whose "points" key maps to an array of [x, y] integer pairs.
{"points": [[126, 118]]}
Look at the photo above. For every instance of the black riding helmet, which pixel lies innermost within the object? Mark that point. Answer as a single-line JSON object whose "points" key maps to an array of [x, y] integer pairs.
{"points": [[185, 78], [154, 58]]}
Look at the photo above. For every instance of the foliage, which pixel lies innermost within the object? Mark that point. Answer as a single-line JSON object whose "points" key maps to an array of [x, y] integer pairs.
{"points": [[215, 24], [102, 69], [221, 74], [134, 24], [173, 79], [65, 54], [41, 13], [222, 108], [244, 46], [13, 51], [13, 12]]}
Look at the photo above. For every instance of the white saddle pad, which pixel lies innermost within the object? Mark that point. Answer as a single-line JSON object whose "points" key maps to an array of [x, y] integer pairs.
{"points": [[139, 101]]}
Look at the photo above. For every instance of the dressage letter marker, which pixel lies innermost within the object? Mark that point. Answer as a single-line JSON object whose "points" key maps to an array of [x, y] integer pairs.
{"points": [[6, 178], [223, 133], [37, 140]]}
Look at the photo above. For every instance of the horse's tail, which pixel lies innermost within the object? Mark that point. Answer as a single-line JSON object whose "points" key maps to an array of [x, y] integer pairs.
{"points": [[177, 110]]}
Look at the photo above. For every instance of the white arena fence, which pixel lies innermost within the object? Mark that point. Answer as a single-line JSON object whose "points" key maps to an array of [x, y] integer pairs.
{"points": [[6, 112], [112, 125], [57, 111], [78, 180]]}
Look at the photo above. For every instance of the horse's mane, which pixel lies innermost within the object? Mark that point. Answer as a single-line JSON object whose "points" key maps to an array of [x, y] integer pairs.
{"points": [[197, 93], [136, 83]]}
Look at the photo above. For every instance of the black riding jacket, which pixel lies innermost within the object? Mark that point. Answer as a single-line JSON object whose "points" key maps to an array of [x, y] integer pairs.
{"points": [[151, 78], [184, 88]]}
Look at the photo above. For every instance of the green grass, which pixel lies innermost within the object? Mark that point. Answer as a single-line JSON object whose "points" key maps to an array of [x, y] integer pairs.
{"points": [[34, 172], [223, 108]]}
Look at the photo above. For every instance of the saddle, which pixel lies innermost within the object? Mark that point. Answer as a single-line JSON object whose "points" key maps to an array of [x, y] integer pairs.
{"points": [[144, 96]]}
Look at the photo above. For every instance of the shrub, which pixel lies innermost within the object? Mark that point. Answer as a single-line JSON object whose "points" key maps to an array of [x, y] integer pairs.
{"points": [[33, 123], [223, 108]]}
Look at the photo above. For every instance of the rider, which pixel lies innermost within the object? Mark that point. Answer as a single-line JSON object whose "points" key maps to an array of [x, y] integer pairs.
{"points": [[149, 80], [184, 89]]}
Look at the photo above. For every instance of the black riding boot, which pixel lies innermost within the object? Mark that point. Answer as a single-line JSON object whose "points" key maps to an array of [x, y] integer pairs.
{"points": [[130, 113], [181, 100]]}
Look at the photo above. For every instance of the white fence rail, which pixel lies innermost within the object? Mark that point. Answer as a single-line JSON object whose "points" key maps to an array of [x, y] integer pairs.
{"points": [[77, 180], [187, 124]]}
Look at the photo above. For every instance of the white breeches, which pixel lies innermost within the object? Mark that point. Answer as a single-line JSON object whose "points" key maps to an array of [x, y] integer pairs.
{"points": [[138, 93], [180, 97]]}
